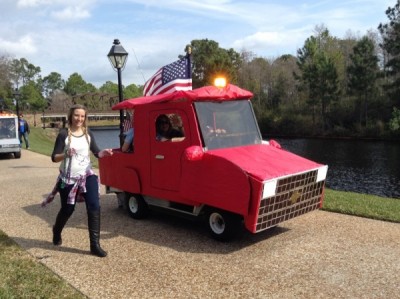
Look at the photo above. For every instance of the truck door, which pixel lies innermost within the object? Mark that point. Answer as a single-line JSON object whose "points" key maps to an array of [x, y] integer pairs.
{"points": [[166, 153]]}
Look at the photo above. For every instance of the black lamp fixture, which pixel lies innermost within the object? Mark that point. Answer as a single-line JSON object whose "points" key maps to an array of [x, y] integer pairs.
{"points": [[118, 57]]}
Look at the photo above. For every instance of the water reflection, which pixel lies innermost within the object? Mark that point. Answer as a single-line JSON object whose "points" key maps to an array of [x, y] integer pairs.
{"points": [[371, 167], [106, 138]]}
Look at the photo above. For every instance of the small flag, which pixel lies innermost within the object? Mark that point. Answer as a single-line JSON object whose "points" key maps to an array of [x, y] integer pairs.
{"points": [[127, 124], [174, 76]]}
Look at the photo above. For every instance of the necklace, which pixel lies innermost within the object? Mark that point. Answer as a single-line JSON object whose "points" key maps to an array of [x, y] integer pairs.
{"points": [[76, 135]]}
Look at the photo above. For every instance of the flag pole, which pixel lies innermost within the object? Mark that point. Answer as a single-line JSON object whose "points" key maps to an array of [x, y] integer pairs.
{"points": [[189, 61]]}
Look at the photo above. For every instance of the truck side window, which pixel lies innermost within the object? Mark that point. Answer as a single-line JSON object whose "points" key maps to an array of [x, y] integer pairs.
{"points": [[169, 128]]}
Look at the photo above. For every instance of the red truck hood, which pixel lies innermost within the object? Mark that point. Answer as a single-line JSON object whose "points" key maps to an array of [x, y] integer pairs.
{"points": [[265, 162]]}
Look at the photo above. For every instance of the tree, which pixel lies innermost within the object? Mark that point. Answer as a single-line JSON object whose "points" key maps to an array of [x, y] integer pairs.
{"points": [[210, 61], [391, 45], [245, 71], [32, 99], [363, 73], [5, 82], [318, 74], [110, 88], [51, 83], [346, 47], [278, 92], [22, 72], [394, 123], [133, 91], [282, 69], [75, 85], [59, 101], [253, 75]]}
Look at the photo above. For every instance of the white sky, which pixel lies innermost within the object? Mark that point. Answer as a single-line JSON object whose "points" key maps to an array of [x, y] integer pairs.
{"points": [[67, 36]]}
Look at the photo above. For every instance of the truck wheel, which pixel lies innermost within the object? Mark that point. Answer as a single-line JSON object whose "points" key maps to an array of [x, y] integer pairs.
{"points": [[17, 155], [223, 226], [137, 207]]}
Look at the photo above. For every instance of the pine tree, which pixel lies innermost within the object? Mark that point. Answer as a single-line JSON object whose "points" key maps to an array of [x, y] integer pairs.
{"points": [[391, 45], [363, 73]]}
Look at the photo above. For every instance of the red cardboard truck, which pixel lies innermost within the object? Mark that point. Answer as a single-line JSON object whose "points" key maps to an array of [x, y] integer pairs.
{"points": [[219, 167]]}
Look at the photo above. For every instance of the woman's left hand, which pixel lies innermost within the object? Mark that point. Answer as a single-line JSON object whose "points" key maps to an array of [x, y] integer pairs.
{"points": [[105, 152]]}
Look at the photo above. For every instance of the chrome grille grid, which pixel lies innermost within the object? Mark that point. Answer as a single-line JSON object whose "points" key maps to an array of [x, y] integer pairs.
{"points": [[295, 196]]}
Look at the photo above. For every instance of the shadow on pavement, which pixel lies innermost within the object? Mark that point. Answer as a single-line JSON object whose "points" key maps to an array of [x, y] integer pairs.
{"points": [[164, 230], [48, 245]]}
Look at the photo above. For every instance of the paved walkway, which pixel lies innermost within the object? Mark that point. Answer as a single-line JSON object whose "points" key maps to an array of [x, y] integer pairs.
{"points": [[318, 255]]}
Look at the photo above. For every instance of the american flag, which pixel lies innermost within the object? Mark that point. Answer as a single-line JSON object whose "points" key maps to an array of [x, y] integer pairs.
{"points": [[174, 76], [127, 124]]}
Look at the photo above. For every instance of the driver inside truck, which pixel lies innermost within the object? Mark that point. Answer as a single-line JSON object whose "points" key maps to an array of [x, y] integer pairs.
{"points": [[165, 131], [208, 126]]}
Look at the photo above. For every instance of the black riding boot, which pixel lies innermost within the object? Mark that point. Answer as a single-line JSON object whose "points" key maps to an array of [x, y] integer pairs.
{"points": [[61, 220], [94, 233]]}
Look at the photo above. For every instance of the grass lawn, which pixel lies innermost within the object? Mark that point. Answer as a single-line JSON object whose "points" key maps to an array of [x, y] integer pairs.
{"points": [[363, 205], [21, 276]]}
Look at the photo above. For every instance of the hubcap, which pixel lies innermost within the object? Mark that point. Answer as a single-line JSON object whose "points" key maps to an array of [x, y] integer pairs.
{"points": [[133, 205], [217, 223]]}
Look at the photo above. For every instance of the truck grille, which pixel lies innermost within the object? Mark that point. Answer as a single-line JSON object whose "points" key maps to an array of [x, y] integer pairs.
{"points": [[295, 196]]}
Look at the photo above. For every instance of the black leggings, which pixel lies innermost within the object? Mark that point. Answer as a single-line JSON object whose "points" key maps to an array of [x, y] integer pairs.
{"points": [[91, 196]]}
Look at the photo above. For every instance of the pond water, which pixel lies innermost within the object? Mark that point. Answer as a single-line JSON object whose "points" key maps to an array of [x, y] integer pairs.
{"points": [[371, 167]]}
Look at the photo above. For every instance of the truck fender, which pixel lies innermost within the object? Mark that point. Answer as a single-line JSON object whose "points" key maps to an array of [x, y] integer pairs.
{"points": [[128, 180]]}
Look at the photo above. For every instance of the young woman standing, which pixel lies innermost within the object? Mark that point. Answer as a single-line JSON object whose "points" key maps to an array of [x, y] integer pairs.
{"points": [[77, 181]]}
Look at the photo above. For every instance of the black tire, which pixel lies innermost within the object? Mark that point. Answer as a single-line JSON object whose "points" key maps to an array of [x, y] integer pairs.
{"points": [[17, 155], [223, 226], [137, 206]]}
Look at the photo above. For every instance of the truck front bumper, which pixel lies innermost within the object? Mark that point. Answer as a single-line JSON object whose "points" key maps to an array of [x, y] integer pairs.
{"points": [[9, 148], [291, 196]]}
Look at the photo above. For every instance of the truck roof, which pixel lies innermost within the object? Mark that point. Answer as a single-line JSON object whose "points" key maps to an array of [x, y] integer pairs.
{"points": [[7, 113], [202, 94]]}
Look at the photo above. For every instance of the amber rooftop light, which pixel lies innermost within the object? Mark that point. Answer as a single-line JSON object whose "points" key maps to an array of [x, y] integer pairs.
{"points": [[220, 82]]}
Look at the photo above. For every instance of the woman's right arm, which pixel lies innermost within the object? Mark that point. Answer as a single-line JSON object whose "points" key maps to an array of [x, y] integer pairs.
{"points": [[58, 151]]}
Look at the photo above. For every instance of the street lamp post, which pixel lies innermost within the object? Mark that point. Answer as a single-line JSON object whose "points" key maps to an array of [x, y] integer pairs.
{"points": [[117, 57], [16, 95]]}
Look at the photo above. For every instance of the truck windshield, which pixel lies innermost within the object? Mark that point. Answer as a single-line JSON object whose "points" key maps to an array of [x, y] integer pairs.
{"points": [[7, 128], [227, 124]]}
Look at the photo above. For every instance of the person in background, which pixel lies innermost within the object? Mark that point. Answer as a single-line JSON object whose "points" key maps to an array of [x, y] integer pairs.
{"points": [[23, 131], [77, 181], [128, 134], [127, 146]]}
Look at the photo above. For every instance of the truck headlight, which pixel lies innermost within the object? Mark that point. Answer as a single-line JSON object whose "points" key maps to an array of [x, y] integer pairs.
{"points": [[269, 188], [322, 171]]}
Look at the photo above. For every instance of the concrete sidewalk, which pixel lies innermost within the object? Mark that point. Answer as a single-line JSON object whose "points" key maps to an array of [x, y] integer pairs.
{"points": [[318, 255]]}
